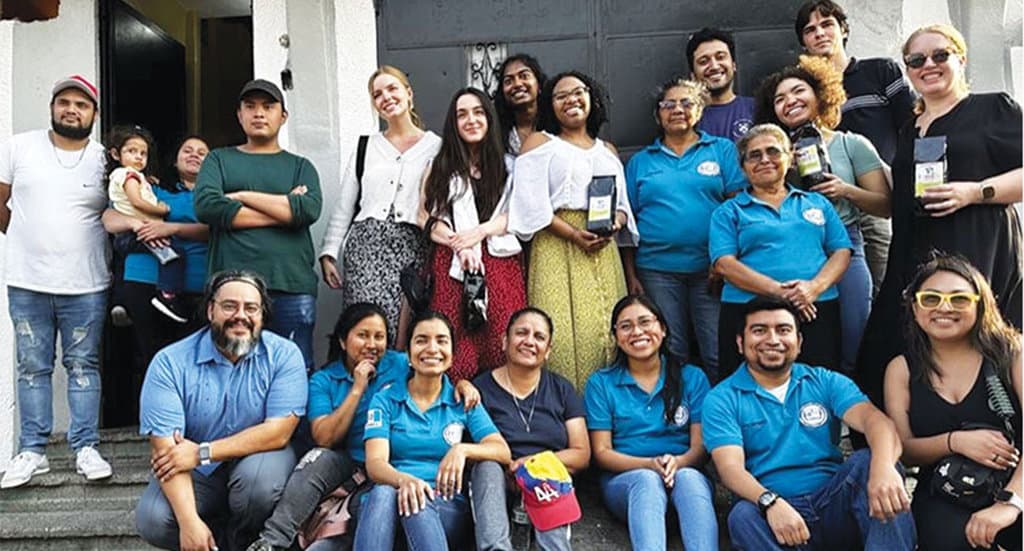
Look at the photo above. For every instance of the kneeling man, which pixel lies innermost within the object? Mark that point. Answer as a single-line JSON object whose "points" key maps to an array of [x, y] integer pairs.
{"points": [[772, 429], [219, 408]]}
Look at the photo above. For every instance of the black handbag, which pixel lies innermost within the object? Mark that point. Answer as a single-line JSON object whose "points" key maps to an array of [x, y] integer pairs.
{"points": [[474, 301], [962, 480]]}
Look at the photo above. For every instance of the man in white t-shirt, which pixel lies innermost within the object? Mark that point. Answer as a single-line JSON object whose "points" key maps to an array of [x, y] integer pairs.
{"points": [[51, 198]]}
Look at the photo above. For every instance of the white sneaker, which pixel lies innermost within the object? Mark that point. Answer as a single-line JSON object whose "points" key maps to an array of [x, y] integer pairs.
{"points": [[23, 467], [90, 463]]}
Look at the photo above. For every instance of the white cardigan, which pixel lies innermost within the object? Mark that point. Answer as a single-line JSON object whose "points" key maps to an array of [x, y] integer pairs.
{"points": [[390, 177]]}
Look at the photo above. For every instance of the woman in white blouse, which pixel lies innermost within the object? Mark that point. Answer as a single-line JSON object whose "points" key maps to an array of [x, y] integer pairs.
{"points": [[574, 274], [374, 221]]}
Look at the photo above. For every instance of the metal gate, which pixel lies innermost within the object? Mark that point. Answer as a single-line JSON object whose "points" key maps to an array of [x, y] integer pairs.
{"points": [[630, 46]]}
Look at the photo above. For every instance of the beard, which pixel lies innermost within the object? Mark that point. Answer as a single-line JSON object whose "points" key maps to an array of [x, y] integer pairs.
{"points": [[71, 132], [235, 347], [721, 89]]}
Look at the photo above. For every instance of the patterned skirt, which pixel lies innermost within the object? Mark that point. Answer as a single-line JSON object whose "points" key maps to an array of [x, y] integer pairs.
{"points": [[480, 350], [578, 290], [375, 253]]}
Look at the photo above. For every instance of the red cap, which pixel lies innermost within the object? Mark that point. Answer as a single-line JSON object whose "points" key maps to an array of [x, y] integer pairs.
{"points": [[79, 83], [548, 493]]}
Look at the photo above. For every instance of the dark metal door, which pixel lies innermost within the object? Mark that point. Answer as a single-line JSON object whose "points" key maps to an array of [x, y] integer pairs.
{"points": [[631, 46]]}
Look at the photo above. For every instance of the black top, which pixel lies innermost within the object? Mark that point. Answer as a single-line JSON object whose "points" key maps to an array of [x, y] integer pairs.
{"points": [[983, 136], [931, 414], [878, 102], [553, 402]]}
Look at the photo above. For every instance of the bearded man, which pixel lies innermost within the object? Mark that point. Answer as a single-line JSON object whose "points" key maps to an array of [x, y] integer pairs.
{"points": [[219, 408]]}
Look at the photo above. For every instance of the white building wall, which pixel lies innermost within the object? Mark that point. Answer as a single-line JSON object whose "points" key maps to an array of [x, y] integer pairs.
{"points": [[7, 406]]}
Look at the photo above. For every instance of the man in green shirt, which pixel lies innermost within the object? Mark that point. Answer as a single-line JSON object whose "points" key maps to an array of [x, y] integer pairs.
{"points": [[259, 201]]}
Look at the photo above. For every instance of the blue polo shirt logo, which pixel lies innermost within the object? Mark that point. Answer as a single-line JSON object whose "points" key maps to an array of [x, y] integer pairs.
{"points": [[453, 433], [374, 418], [813, 415], [815, 216], [681, 416], [709, 168]]}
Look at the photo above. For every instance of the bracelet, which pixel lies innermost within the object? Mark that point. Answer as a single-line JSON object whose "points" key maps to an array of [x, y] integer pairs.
{"points": [[949, 441]]}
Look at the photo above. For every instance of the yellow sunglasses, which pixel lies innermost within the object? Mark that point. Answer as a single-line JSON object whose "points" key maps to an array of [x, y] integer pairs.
{"points": [[930, 300]]}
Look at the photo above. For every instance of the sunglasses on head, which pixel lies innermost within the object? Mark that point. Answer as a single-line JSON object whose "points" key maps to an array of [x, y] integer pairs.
{"points": [[930, 300], [916, 61]]}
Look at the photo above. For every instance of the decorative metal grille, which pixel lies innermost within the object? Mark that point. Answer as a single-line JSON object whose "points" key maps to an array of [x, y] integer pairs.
{"points": [[482, 59]]}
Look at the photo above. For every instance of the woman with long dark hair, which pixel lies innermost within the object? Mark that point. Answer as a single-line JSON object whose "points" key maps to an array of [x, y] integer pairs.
{"points": [[574, 275], [811, 93], [374, 220], [644, 417], [520, 79], [465, 213], [937, 387]]}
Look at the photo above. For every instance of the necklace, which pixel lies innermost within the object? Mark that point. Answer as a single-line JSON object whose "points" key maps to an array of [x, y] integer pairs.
{"points": [[81, 155], [526, 419]]}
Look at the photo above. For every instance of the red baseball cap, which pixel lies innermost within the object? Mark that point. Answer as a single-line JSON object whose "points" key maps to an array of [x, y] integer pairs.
{"points": [[548, 493], [79, 83]]}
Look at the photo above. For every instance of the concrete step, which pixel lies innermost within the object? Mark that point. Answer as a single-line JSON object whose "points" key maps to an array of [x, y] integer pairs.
{"points": [[101, 543], [66, 525], [66, 490]]}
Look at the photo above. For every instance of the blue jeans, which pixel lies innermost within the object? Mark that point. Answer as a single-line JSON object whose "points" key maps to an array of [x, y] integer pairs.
{"points": [[640, 498], [854, 300], [292, 317], [233, 501], [489, 496], [836, 515], [442, 525], [37, 318], [684, 300]]}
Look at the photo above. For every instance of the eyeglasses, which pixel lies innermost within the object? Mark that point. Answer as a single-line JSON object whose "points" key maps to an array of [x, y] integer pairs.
{"points": [[578, 93], [645, 324], [671, 104], [916, 61], [756, 156], [230, 307], [930, 300]]}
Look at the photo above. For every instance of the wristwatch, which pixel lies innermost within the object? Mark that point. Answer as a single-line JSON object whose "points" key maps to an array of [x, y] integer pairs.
{"points": [[204, 453], [1010, 498], [988, 191], [766, 500]]}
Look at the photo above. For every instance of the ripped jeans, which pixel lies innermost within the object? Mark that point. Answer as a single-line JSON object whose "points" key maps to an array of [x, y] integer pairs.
{"points": [[37, 318], [294, 315]]}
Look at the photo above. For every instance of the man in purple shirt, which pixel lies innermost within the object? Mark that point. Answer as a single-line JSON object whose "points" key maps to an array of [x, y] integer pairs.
{"points": [[712, 57]]}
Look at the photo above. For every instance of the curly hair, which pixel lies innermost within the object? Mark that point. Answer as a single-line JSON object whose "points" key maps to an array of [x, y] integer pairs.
{"points": [[599, 104], [696, 90], [822, 77]]}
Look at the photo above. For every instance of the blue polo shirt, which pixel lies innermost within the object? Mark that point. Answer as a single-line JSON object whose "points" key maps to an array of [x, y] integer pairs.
{"points": [[143, 267], [673, 197], [789, 447], [329, 387], [636, 418], [191, 387], [793, 242], [420, 439]]}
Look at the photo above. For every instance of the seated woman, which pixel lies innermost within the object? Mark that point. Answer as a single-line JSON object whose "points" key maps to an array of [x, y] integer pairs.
{"points": [[359, 365], [955, 334], [465, 210], [812, 93], [644, 415], [777, 241], [535, 410], [415, 451]]}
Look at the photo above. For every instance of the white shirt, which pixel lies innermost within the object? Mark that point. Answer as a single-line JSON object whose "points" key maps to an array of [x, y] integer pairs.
{"points": [[390, 177], [55, 242], [465, 216], [554, 176]]}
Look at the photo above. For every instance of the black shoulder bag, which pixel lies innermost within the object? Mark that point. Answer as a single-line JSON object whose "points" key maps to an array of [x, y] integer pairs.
{"points": [[960, 479]]}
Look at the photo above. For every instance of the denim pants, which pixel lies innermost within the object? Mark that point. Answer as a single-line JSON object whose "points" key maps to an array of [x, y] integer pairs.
{"points": [[489, 497], [854, 300], [37, 318], [442, 525], [836, 515], [233, 501], [317, 474], [293, 318], [640, 498], [684, 301]]}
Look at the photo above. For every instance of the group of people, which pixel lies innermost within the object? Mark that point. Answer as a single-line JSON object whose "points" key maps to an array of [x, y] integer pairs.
{"points": [[714, 299]]}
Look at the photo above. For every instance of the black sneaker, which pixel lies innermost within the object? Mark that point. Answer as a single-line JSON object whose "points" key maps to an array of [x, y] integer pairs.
{"points": [[168, 306]]}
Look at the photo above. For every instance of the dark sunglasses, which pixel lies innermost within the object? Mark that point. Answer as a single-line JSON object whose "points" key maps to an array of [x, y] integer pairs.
{"points": [[757, 155], [916, 61]]}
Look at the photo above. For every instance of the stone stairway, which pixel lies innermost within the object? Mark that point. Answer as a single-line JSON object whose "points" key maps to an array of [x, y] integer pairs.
{"points": [[60, 510]]}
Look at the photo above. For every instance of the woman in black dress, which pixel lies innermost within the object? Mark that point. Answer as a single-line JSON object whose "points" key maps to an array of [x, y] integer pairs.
{"points": [[972, 215], [938, 385]]}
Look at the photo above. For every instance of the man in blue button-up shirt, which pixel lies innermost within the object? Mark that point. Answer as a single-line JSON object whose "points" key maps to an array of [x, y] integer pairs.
{"points": [[772, 428], [219, 408]]}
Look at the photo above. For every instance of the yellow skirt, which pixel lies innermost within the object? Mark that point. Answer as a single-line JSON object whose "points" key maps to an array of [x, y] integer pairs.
{"points": [[578, 290]]}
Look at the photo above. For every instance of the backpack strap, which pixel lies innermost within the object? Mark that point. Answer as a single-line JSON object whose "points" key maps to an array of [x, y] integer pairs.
{"points": [[361, 157]]}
